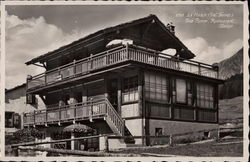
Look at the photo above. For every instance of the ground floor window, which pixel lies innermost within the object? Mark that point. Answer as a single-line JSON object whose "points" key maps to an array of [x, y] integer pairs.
{"points": [[158, 131], [207, 116], [159, 110], [184, 113], [12, 120]]}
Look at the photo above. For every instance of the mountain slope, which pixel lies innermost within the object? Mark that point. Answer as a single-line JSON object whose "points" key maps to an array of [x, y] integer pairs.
{"points": [[232, 65], [232, 87]]}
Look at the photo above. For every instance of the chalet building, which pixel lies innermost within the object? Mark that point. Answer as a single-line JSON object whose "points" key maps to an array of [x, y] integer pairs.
{"points": [[118, 80], [15, 107]]}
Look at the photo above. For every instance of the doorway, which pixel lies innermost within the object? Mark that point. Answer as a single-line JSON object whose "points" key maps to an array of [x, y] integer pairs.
{"points": [[112, 91]]}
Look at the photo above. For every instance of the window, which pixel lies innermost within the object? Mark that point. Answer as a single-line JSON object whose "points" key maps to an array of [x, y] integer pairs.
{"points": [[156, 85], [31, 99], [9, 119], [66, 99], [189, 93], [205, 97], [130, 110], [181, 89], [159, 110], [16, 120], [130, 89], [78, 97], [207, 116], [158, 132], [12, 120], [184, 114], [173, 90]]}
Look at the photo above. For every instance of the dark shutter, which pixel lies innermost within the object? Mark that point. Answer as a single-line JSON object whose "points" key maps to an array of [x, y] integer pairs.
{"points": [[31, 99]]}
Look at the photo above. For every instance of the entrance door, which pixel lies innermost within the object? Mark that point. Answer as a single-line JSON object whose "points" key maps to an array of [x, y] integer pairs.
{"points": [[112, 91], [95, 91]]}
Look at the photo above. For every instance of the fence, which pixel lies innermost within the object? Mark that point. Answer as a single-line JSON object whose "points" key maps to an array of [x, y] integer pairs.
{"points": [[164, 139]]}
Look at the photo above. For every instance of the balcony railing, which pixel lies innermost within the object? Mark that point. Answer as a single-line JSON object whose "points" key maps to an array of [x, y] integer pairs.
{"points": [[115, 56], [74, 112]]}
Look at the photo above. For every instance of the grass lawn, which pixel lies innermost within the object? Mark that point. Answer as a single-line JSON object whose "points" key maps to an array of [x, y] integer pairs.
{"points": [[200, 150]]}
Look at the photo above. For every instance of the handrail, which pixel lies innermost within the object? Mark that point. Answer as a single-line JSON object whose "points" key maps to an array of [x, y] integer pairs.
{"points": [[41, 116], [86, 103], [121, 125], [116, 113], [171, 56], [116, 55], [81, 60]]}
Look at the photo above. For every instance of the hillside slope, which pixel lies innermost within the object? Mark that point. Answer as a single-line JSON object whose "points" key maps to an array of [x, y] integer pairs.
{"points": [[231, 109]]}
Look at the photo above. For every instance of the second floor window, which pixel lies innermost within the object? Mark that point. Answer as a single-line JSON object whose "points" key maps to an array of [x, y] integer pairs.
{"points": [[156, 87], [130, 89], [181, 89], [205, 98]]}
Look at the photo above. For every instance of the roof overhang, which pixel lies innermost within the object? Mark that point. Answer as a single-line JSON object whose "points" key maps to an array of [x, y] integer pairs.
{"points": [[99, 38]]}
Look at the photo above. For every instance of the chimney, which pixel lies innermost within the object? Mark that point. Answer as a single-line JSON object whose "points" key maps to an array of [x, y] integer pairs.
{"points": [[171, 27]]}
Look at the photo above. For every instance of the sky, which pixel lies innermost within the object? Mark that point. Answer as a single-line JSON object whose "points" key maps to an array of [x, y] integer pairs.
{"points": [[211, 32]]}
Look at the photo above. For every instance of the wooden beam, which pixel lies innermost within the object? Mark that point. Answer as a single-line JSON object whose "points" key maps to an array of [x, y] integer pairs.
{"points": [[119, 95], [38, 65], [44, 65], [106, 94], [140, 103], [94, 81], [78, 78], [44, 100]]}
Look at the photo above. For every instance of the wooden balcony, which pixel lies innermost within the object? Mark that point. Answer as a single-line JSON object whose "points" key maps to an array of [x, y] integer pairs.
{"points": [[100, 109], [118, 55]]}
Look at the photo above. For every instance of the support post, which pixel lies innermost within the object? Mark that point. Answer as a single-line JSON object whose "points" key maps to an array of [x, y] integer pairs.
{"points": [[170, 140], [218, 135], [103, 143], [140, 104], [127, 51], [106, 149], [47, 139], [84, 94], [199, 68], [119, 95], [72, 141], [15, 151], [106, 95]]}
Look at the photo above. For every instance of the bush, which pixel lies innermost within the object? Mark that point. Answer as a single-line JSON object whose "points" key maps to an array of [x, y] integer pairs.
{"points": [[187, 139]]}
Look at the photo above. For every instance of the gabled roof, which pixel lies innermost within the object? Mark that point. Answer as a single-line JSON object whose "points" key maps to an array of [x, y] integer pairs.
{"points": [[86, 39], [16, 87]]}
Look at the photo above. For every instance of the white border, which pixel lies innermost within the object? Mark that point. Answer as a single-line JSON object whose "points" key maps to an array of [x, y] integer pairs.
{"points": [[246, 80], [2, 82]]}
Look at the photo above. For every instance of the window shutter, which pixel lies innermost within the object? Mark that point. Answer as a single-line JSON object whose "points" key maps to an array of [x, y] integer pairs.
{"points": [[17, 121], [31, 99]]}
